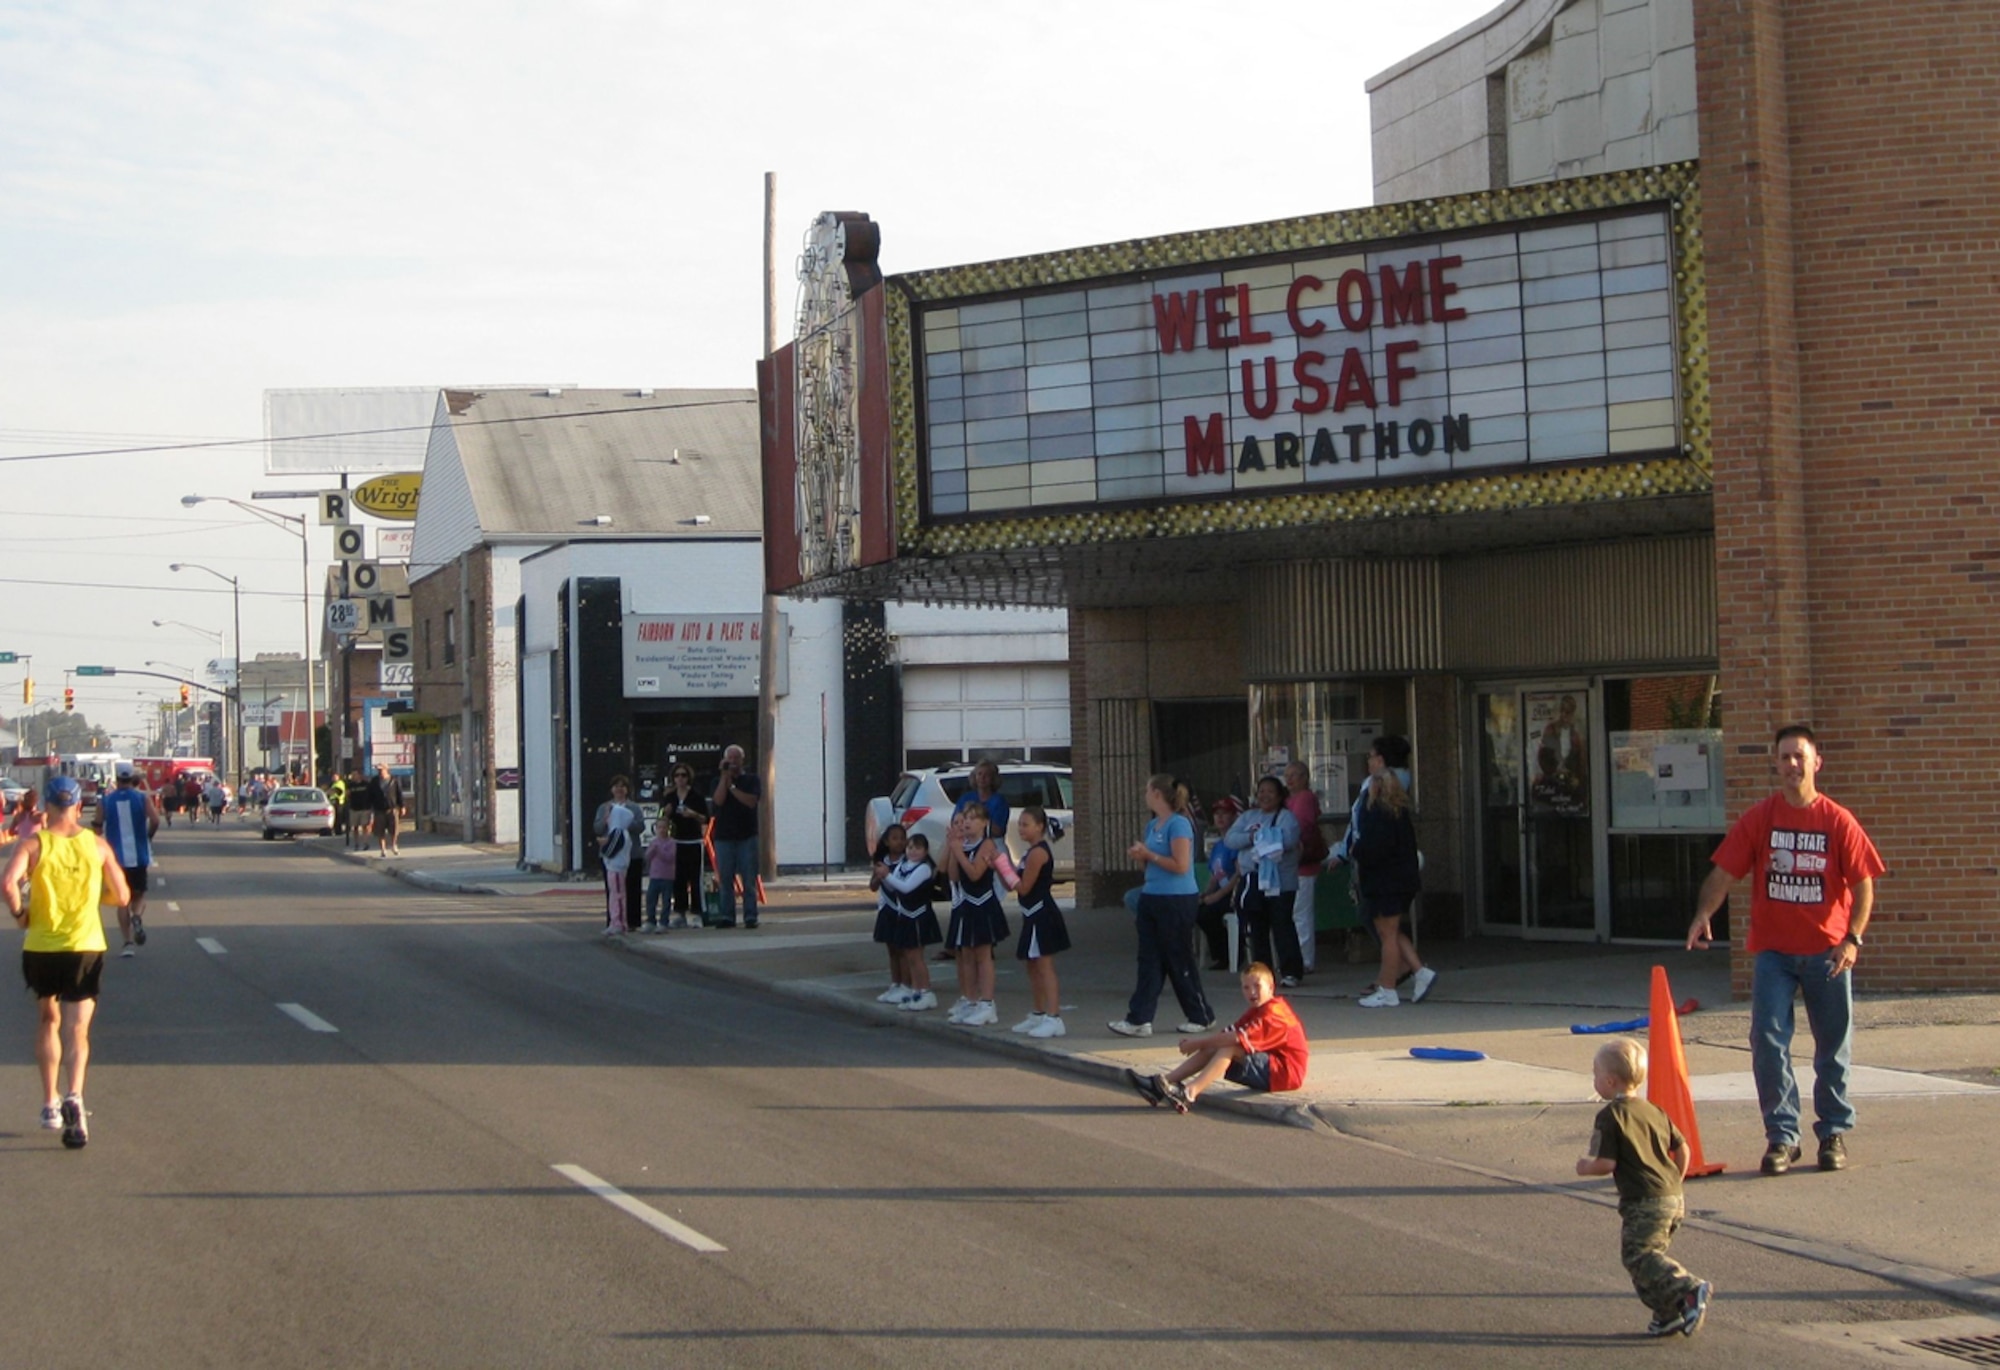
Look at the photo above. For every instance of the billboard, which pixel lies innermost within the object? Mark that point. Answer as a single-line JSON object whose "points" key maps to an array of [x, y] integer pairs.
{"points": [[347, 429]]}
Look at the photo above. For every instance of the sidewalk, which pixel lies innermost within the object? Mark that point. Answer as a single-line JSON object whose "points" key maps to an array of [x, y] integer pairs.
{"points": [[1915, 1206]]}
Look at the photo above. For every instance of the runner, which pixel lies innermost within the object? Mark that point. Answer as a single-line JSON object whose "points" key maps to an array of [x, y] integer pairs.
{"points": [[69, 870], [128, 817], [216, 798]]}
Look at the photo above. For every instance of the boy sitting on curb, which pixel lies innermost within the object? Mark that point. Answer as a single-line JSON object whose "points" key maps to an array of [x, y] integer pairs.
{"points": [[1264, 1050], [1641, 1149]]}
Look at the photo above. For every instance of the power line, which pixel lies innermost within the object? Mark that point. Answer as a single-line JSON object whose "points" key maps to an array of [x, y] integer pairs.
{"points": [[364, 432], [165, 589]]}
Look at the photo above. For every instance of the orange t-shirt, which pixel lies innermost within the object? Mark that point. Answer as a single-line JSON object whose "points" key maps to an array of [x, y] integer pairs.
{"points": [[1273, 1028], [1808, 861]]}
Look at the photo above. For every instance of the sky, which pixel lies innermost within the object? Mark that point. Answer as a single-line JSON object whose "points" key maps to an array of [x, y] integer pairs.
{"points": [[203, 201]]}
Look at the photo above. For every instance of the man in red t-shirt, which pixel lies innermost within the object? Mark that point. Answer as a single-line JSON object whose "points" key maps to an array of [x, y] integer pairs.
{"points": [[1810, 901], [1264, 1050]]}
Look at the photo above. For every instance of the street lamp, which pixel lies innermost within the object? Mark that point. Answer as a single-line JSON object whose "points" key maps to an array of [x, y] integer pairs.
{"points": [[236, 691], [220, 641], [295, 524]]}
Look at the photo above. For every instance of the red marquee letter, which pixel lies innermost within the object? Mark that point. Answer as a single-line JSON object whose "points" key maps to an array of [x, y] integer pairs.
{"points": [[1442, 290], [1310, 383], [1299, 325], [1399, 370], [1174, 316], [1219, 317], [1255, 405], [1248, 330], [1355, 385]]}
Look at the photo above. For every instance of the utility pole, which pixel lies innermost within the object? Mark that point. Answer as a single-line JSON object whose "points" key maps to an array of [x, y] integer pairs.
{"points": [[767, 673]]}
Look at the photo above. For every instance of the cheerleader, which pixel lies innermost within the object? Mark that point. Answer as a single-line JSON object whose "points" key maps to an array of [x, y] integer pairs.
{"points": [[978, 922], [1043, 932], [889, 855], [916, 927]]}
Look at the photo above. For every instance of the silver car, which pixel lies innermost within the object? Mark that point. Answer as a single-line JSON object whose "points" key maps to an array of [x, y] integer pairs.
{"points": [[295, 809], [924, 800]]}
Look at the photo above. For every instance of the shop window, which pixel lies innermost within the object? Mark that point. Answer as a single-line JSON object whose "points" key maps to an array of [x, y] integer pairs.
{"points": [[1667, 815], [1329, 725]]}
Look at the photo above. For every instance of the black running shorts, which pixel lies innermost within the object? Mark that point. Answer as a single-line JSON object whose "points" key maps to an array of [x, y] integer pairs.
{"points": [[135, 876], [70, 976]]}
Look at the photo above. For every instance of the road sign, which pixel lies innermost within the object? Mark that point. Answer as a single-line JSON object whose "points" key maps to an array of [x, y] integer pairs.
{"points": [[417, 725], [97, 670], [8, 658], [343, 616]]}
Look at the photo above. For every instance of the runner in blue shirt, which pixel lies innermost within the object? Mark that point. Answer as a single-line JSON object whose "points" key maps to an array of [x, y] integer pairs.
{"points": [[128, 817]]}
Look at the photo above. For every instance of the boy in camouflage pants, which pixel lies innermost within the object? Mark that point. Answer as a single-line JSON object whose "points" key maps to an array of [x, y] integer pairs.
{"points": [[1646, 1156]]}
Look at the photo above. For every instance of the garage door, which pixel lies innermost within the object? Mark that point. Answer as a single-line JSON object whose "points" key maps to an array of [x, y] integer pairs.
{"points": [[961, 713]]}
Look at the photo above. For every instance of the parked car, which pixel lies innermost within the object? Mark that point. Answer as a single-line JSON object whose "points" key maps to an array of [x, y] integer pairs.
{"points": [[923, 802], [296, 809]]}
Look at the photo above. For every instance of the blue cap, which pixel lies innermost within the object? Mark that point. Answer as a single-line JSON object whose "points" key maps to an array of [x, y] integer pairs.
{"points": [[62, 792]]}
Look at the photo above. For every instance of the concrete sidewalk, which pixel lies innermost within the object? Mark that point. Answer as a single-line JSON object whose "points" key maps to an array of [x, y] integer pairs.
{"points": [[1914, 1206]]}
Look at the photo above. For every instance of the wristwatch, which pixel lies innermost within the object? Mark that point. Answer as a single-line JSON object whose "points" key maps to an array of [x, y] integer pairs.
{"points": [[1855, 938]]}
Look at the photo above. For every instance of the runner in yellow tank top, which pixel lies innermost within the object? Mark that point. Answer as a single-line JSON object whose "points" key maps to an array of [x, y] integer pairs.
{"points": [[70, 872]]}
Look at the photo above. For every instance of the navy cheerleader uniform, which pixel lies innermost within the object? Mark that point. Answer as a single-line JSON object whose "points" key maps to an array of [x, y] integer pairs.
{"points": [[915, 926], [885, 913], [977, 920], [1043, 931]]}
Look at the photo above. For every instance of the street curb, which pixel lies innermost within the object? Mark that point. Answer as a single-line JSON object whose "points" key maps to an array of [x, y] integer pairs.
{"points": [[415, 878], [1942, 1283], [1087, 1064]]}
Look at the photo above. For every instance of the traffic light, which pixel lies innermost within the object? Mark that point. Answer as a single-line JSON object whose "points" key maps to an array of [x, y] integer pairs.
{"points": [[28, 691], [184, 696], [69, 700]]}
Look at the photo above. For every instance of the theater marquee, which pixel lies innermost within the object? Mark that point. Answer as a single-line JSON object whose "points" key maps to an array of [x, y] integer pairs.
{"points": [[1504, 349]]}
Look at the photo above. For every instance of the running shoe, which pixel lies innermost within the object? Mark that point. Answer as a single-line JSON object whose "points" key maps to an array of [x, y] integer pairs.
{"points": [[918, 1002], [1425, 979], [52, 1117], [959, 1010], [1194, 1029], [1381, 998], [1125, 1028], [1027, 1024], [1050, 1026], [1694, 1308], [129, 951], [895, 994], [1151, 1088], [982, 1014], [1178, 1096], [76, 1133], [138, 930]]}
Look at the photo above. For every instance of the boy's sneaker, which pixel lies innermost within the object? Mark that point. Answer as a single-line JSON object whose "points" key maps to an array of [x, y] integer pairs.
{"points": [[1151, 1088], [1027, 1024], [138, 930], [981, 1014], [52, 1117], [1288, 982], [895, 994], [918, 1002], [1694, 1308], [1050, 1026], [76, 1133], [959, 1010], [1126, 1029], [1381, 998], [1666, 1324], [1178, 1096], [1425, 979]]}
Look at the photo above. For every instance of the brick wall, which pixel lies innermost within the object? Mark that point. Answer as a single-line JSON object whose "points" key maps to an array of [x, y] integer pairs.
{"points": [[1854, 349]]}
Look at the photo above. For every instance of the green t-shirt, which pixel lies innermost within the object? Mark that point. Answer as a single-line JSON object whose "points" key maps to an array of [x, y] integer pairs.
{"points": [[1638, 1139]]}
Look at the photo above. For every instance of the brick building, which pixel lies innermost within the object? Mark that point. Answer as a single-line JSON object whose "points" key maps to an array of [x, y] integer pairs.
{"points": [[1589, 599]]}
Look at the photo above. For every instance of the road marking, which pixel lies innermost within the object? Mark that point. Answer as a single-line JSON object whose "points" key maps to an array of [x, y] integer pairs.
{"points": [[306, 1017], [211, 946], [172, 907], [645, 1213]]}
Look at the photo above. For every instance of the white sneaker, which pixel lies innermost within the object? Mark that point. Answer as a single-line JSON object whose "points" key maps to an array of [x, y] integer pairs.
{"points": [[959, 1010], [1381, 998], [129, 951], [1422, 984], [892, 995], [52, 1117], [1027, 1024], [918, 1002], [1050, 1026], [1125, 1029], [1193, 1029], [982, 1014]]}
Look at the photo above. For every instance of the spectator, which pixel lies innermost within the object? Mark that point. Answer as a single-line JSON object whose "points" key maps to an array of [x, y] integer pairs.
{"points": [[1264, 1050], [616, 828], [689, 814], [661, 856], [1268, 836], [1165, 916], [1388, 878], [1220, 899], [889, 850], [385, 798], [1303, 804], [986, 791], [736, 799], [1043, 931], [1393, 753], [978, 922]]}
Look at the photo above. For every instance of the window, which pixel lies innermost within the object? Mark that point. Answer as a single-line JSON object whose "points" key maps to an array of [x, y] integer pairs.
{"points": [[471, 629], [450, 636], [427, 644]]}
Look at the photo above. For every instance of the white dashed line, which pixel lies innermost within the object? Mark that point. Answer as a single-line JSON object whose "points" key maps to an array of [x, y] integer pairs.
{"points": [[645, 1213], [306, 1017], [211, 946], [172, 907]]}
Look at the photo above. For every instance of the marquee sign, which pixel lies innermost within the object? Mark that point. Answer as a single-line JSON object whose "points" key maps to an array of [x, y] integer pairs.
{"points": [[1502, 348]]}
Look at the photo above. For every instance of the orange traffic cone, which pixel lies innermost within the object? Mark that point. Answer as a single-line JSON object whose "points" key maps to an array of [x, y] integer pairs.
{"points": [[1667, 1074]]}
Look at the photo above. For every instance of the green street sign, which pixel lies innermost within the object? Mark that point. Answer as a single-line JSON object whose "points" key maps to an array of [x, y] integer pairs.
{"points": [[8, 658], [97, 670]]}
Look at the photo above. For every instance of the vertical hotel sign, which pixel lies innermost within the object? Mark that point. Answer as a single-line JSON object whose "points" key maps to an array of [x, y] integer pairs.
{"points": [[836, 267], [1498, 350]]}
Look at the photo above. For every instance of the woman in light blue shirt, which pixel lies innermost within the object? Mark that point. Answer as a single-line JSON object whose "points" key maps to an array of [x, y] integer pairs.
{"points": [[1168, 904], [1268, 837]]}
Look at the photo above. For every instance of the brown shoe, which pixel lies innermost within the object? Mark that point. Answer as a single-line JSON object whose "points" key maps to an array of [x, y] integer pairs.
{"points": [[1778, 1158], [1833, 1153]]}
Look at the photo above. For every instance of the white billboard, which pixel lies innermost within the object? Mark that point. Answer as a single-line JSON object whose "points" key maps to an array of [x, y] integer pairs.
{"points": [[347, 429]]}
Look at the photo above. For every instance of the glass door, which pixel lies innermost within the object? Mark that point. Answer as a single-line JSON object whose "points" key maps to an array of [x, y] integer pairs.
{"points": [[1536, 781]]}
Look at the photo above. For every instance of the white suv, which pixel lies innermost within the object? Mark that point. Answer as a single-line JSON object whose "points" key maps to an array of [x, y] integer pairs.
{"points": [[924, 800]]}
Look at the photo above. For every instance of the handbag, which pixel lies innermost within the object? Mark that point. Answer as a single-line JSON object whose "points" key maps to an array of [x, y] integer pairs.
{"points": [[1313, 850]]}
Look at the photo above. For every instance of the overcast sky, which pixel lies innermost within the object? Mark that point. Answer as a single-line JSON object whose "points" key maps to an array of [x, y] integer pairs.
{"points": [[205, 200]]}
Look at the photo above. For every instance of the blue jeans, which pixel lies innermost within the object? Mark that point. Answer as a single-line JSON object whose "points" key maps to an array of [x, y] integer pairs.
{"points": [[1776, 978], [733, 859], [659, 900], [1166, 926]]}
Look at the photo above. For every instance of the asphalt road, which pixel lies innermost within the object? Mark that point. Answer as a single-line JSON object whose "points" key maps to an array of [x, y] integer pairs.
{"points": [[257, 1192]]}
